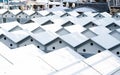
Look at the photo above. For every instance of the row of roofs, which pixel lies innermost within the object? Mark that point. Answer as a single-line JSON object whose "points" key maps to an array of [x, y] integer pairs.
{"points": [[84, 34], [30, 60], [27, 15]]}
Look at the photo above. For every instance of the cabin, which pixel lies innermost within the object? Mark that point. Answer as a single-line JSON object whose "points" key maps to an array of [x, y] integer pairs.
{"points": [[15, 39], [51, 43], [33, 14], [89, 48], [2, 11], [22, 17], [8, 17], [107, 42]]}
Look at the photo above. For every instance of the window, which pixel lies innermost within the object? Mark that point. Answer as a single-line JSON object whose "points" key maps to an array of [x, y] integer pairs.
{"points": [[117, 16], [115, 25], [26, 16], [5, 15], [37, 13], [91, 44], [93, 24], [84, 50], [4, 38], [25, 45], [38, 46], [53, 47], [33, 16], [19, 16], [117, 53], [31, 40], [99, 51], [11, 45], [60, 42]]}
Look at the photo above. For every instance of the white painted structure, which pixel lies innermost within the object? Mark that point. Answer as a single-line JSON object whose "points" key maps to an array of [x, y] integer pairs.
{"points": [[47, 41]]}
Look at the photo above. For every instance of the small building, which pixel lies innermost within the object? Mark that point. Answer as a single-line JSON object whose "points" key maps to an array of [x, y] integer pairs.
{"points": [[116, 50], [107, 42], [2, 11], [82, 44], [33, 14], [89, 48], [8, 16], [22, 17], [15, 39], [47, 41]]}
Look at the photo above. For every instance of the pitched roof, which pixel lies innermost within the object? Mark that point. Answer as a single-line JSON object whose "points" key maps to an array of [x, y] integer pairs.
{"points": [[74, 39], [65, 57], [45, 37], [107, 42]]}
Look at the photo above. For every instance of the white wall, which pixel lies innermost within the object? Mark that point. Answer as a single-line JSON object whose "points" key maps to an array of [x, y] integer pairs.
{"points": [[9, 17], [25, 42], [116, 50], [7, 42], [56, 44], [36, 43], [90, 49], [23, 18], [116, 35]]}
